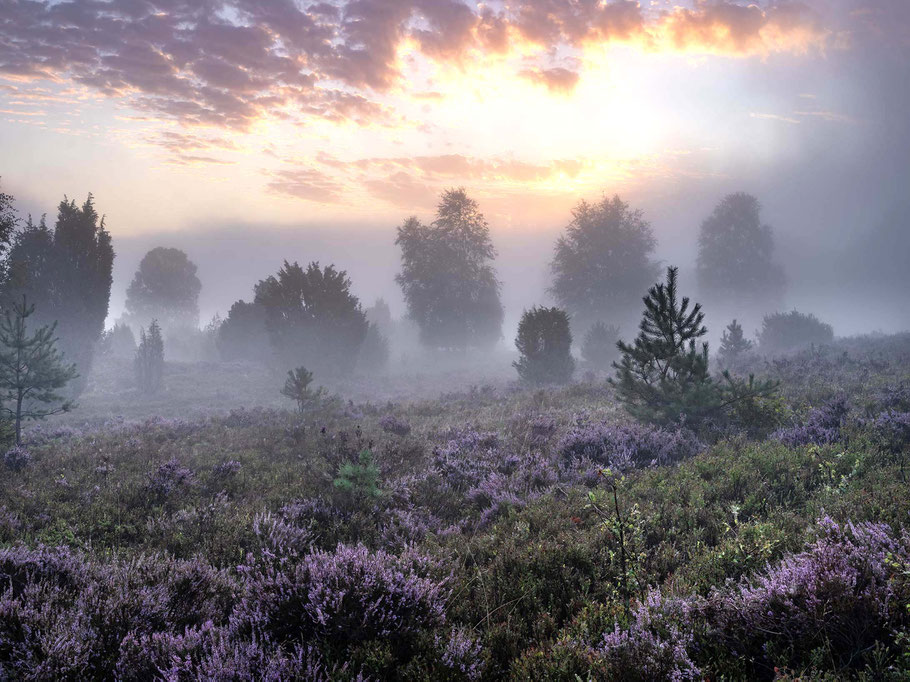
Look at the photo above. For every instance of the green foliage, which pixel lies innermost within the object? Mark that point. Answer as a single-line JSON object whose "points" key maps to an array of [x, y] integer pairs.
{"points": [[447, 278], [118, 342], [783, 332], [734, 347], [242, 335], [735, 254], [67, 273], [312, 318], [599, 347], [544, 343], [32, 369], [359, 479], [8, 223], [149, 362], [297, 388], [603, 261], [374, 353], [165, 288]]}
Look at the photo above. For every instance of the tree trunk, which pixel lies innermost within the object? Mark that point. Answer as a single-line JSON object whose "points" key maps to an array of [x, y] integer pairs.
{"points": [[19, 420]]}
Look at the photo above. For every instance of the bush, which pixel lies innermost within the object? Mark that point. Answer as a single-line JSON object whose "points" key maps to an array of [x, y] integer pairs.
{"points": [[822, 426], [628, 445], [783, 332], [392, 424], [17, 458], [599, 347], [544, 343]]}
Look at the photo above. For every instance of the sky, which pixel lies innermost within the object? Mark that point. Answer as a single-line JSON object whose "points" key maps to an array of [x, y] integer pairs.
{"points": [[250, 131]]}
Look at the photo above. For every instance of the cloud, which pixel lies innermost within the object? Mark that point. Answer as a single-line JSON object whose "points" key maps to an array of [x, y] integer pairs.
{"points": [[229, 63], [556, 79], [306, 183]]}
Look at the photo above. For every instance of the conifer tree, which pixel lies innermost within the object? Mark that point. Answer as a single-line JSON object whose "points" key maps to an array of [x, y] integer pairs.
{"points": [[545, 343], [149, 362], [599, 347], [32, 370], [297, 388], [733, 346], [663, 376]]}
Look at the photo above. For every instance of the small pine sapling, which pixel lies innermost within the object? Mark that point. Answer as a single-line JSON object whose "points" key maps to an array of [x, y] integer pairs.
{"points": [[149, 362], [734, 346], [297, 388], [32, 370]]}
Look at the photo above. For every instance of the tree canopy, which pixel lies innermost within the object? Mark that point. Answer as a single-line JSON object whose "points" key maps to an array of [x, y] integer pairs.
{"points": [[735, 254], [312, 318], [602, 264], [447, 278], [164, 288]]}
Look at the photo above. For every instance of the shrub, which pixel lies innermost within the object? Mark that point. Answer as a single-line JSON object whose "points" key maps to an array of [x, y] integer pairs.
{"points": [[359, 479], [783, 332], [544, 343], [297, 388], [348, 595], [627, 445], [822, 426], [169, 478], [17, 458], [392, 424], [599, 347]]}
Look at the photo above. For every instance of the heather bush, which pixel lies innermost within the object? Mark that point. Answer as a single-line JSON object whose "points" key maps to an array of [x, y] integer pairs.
{"points": [[627, 445], [347, 595], [823, 425], [394, 425], [17, 458], [169, 478]]}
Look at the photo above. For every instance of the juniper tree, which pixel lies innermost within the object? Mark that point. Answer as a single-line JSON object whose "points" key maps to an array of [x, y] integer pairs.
{"points": [[545, 342], [663, 375], [297, 388], [599, 347], [32, 369], [733, 346], [149, 363]]}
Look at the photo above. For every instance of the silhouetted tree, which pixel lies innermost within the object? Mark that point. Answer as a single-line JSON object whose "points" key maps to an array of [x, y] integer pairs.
{"points": [[164, 288], [380, 315], [374, 352], [735, 254], [32, 370], [312, 317], [66, 273], [448, 282], [663, 376], [733, 346], [8, 223], [783, 332], [544, 343], [118, 341], [149, 363], [242, 335], [599, 347], [297, 388], [602, 263]]}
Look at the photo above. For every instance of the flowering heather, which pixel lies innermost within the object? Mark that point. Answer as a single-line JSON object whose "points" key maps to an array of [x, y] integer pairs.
{"points": [[628, 445], [227, 469], [392, 424], [462, 653], [822, 426], [350, 594], [17, 458], [169, 478]]}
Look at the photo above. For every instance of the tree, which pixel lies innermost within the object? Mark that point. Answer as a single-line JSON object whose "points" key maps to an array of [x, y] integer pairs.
{"points": [[448, 282], [297, 388], [599, 347], [602, 263], [118, 341], [380, 315], [735, 254], [374, 352], [149, 363], [165, 288], [66, 273], [242, 335], [32, 370], [8, 223], [783, 332], [733, 346], [312, 317], [663, 376], [544, 343]]}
